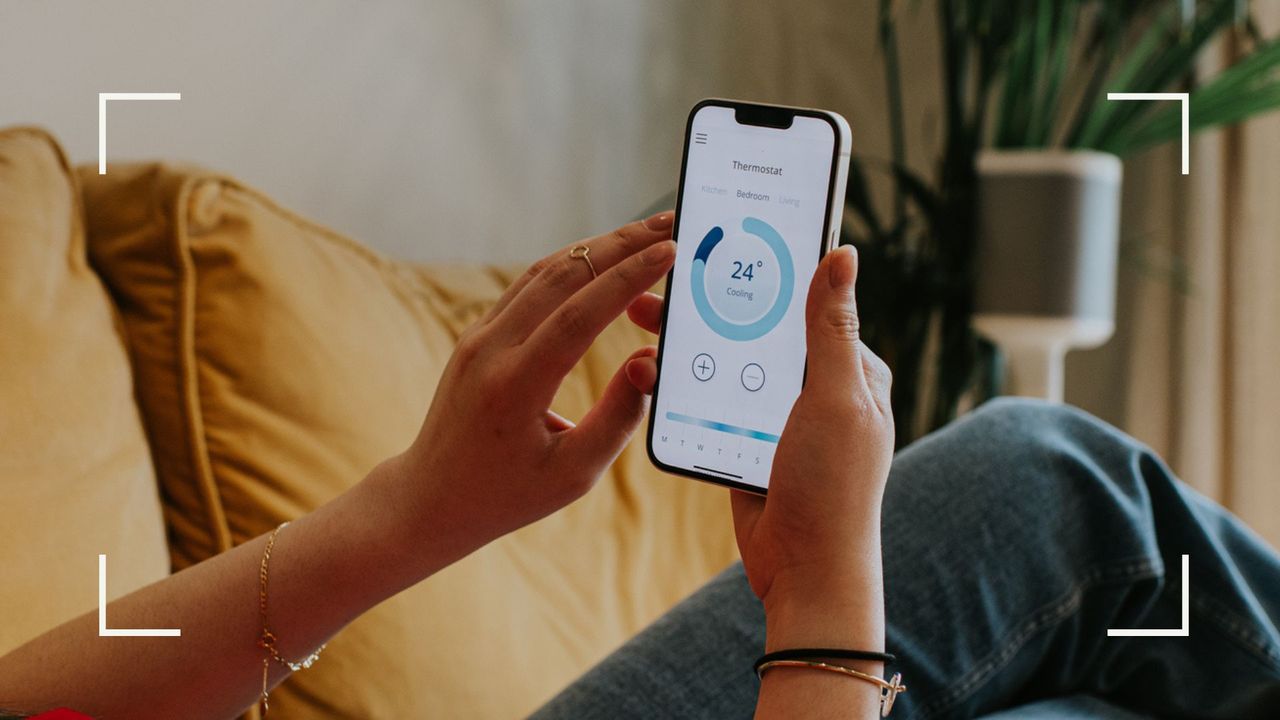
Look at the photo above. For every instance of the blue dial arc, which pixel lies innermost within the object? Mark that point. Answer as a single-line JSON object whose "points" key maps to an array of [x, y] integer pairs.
{"points": [[786, 282], [709, 242]]}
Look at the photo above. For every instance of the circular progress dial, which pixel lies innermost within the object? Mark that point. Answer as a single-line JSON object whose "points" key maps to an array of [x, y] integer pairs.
{"points": [[742, 284]]}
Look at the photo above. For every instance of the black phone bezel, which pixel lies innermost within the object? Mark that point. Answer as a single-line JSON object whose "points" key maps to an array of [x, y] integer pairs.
{"points": [[757, 114]]}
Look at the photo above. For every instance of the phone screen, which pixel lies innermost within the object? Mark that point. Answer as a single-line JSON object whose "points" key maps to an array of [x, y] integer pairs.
{"points": [[751, 222]]}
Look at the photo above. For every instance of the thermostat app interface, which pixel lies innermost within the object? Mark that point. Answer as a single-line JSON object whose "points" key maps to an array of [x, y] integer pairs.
{"points": [[754, 200]]}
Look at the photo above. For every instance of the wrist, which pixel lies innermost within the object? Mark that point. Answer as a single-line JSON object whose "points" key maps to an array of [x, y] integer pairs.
{"points": [[829, 604], [416, 532]]}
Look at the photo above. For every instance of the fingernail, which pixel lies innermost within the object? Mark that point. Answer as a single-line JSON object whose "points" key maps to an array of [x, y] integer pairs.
{"points": [[661, 221], [840, 269], [632, 369], [659, 254]]}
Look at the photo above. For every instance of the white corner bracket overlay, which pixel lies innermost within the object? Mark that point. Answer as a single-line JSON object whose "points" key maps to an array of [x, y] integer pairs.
{"points": [[104, 631], [102, 117], [1185, 98], [1185, 630]]}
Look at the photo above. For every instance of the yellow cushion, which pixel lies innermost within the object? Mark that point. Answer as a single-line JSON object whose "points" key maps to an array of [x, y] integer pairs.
{"points": [[75, 473], [279, 362]]}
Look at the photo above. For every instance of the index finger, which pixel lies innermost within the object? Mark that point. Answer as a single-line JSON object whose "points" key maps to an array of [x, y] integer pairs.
{"points": [[605, 250], [562, 339]]}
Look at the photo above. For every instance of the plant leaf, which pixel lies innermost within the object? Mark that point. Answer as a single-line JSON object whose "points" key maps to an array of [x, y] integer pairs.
{"points": [[1248, 88], [1123, 80]]}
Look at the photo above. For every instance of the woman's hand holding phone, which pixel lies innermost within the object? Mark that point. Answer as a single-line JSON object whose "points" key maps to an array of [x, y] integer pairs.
{"points": [[811, 550], [833, 459]]}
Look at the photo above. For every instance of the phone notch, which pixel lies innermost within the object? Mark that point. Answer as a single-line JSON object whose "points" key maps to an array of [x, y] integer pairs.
{"points": [[779, 118]]}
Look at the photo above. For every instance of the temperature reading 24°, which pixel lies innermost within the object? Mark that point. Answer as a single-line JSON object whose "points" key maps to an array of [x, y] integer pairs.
{"points": [[742, 279], [744, 270]]}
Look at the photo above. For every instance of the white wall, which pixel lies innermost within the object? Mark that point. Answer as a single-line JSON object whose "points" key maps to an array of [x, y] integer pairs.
{"points": [[491, 130], [456, 130]]}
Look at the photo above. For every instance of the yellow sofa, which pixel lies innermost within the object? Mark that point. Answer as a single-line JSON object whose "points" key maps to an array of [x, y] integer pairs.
{"points": [[186, 364]]}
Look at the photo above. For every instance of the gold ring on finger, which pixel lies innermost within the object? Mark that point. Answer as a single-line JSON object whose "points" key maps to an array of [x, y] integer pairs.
{"points": [[580, 252]]}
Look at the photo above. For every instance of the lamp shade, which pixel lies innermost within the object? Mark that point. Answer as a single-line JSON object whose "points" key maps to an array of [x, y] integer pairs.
{"points": [[1048, 231]]}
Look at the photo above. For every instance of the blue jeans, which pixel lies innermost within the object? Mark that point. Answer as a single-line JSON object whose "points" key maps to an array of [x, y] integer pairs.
{"points": [[1013, 539]]}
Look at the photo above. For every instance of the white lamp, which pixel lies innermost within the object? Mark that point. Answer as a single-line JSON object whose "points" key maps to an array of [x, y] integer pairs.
{"points": [[1048, 233]]}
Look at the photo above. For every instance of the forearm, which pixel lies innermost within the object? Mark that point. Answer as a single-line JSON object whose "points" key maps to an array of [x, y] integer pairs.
{"points": [[326, 569], [833, 612]]}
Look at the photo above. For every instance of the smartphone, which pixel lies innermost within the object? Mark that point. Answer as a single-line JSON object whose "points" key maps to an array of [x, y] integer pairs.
{"points": [[759, 203]]}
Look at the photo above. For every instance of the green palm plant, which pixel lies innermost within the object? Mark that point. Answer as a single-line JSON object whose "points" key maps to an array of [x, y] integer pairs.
{"points": [[1019, 74]]}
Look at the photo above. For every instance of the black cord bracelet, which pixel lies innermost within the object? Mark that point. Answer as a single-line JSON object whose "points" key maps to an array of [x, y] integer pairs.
{"points": [[823, 653]]}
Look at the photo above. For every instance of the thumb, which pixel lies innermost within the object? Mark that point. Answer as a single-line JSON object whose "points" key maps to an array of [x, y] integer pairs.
{"points": [[604, 431], [831, 317]]}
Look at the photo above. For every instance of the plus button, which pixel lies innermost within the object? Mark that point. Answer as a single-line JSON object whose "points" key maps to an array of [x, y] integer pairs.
{"points": [[704, 366]]}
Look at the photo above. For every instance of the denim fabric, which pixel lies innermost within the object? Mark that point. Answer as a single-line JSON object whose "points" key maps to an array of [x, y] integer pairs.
{"points": [[1076, 707], [1013, 539]]}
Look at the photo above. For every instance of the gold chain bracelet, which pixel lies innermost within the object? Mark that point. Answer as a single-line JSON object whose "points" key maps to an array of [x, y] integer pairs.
{"points": [[889, 689], [267, 641]]}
